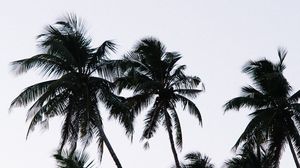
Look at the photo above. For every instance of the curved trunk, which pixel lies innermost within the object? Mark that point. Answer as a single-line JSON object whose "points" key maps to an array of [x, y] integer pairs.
{"points": [[293, 151], [172, 144], [109, 147]]}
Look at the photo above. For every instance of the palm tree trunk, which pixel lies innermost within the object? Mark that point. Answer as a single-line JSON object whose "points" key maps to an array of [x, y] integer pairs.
{"points": [[293, 151], [172, 144], [109, 147]]}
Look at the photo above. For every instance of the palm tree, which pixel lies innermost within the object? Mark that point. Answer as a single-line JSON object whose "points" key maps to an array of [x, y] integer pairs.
{"points": [[65, 159], [79, 80], [152, 73], [197, 160], [276, 110]]}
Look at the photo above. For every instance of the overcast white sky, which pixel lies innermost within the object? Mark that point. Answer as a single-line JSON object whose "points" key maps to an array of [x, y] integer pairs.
{"points": [[216, 38]]}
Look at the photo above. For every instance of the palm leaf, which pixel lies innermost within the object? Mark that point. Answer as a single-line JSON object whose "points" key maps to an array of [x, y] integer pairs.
{"points": [[178, 130], [192, 108]]}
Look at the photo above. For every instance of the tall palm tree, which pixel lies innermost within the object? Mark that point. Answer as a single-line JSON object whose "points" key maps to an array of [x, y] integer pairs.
{"points": [[76, 159], [197, 160], [276, 110], [79, 79], [153, 74]]}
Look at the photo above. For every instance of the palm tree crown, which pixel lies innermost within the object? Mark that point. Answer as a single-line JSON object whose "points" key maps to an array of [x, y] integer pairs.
{"points": [[197, 160], [76, 159], [276, 110], [153, 74], [79, 80]]}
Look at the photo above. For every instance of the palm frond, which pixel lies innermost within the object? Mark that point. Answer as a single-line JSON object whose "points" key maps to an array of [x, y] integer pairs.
{"points": [[178, 130], [100, 143], [151, 121], [186, 82], [294, 134], [239, 102], [193, 93], [281, 54], [192, 108], [138, 102], [295, 97], [48, 64], [30, 94], [72, 160]]}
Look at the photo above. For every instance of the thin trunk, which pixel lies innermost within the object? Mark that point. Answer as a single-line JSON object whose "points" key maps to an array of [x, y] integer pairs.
{"points": [[293, 151], [106, 141], [109, 147], [172, 144]]}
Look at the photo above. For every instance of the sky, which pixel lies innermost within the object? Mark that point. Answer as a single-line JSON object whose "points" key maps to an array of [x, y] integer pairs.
{"points": [[216, 38]]}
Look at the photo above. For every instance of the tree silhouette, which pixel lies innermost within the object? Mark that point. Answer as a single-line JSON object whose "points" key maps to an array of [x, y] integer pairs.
{"points": [[276, 111], [76, 159], [153, 74], [79, 79], [196, 160]]}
